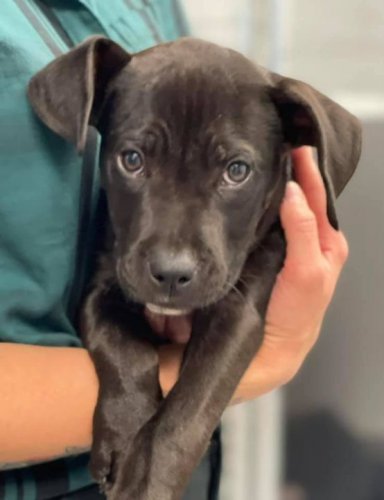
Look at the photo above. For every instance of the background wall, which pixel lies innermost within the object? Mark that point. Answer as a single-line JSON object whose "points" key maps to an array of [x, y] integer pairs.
{"points": [[337, 45]]}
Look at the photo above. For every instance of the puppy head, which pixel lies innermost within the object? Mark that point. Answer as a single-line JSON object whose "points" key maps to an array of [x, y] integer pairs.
{"points": [[195, 142]]}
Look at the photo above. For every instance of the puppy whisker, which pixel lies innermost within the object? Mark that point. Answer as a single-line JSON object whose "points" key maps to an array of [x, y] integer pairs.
{"points": [[236, 290]]}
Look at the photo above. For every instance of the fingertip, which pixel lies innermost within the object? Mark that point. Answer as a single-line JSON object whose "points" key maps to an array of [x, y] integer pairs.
{"points": [[294, 201], [299, 223], [293, 192]]}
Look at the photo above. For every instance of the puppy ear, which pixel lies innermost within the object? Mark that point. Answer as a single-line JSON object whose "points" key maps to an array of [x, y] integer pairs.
{"points": [[68, 92], [310, 118]]}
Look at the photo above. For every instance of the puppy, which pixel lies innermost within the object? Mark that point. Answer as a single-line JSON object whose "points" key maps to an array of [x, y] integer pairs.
{"points": [[195, 152]]}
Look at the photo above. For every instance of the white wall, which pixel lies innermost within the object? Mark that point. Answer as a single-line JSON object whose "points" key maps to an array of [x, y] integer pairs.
{"points": [[233, 23], [338, 46]]}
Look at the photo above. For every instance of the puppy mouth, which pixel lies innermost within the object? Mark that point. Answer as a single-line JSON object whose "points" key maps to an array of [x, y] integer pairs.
{"points": [[166, 311], [170, 324]]}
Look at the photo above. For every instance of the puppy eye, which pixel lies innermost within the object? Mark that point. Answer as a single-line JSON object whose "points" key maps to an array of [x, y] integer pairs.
{"points": [[132, 161], [236, 173]]}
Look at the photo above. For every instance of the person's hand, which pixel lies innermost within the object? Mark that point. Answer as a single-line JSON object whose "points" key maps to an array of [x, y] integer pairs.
{"points": [[316, 254], [304, 288]]}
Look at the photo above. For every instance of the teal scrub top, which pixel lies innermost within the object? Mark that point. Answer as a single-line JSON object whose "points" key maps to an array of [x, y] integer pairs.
{"points": [[41, 189]]}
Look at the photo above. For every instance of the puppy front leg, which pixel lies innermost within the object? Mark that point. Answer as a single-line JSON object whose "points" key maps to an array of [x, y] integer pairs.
{"points": [[127, 367], [225, 338]]}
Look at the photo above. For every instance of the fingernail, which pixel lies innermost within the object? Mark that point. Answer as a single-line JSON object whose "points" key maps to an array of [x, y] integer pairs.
{"points": [[293, 192]]}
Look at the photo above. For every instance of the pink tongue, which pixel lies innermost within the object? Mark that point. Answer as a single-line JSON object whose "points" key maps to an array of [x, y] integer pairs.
{"points": [[175, 328]]}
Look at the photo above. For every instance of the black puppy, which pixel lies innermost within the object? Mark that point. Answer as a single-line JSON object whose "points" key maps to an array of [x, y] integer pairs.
{"points": [[195, 152]]}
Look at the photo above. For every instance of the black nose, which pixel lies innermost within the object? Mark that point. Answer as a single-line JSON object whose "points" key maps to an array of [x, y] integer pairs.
{"points": [[172, 272]]}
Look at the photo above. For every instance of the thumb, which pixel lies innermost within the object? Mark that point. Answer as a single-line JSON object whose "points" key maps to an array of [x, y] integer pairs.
{"points": [[300, 226]]}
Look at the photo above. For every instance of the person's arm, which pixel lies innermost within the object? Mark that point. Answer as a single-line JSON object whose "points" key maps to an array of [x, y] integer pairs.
{"points": [[47, 399]]}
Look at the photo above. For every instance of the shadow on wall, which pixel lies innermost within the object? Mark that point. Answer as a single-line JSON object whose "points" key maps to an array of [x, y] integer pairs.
{"points": [[326, 461]]}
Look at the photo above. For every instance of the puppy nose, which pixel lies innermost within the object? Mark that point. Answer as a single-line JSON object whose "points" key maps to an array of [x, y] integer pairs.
{"points": [[171, 271]]}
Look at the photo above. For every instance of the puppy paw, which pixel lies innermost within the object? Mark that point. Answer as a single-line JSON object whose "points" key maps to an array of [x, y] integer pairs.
{"points": [[102, 465], [142, 472]]}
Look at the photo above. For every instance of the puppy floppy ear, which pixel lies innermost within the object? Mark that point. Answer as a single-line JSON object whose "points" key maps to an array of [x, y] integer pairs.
{"points": [[68, 92], [310, 118]]}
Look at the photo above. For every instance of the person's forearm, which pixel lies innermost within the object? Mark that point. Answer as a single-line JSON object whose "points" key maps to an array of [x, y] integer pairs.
{"points": [[48, 396], [47, 399]]}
